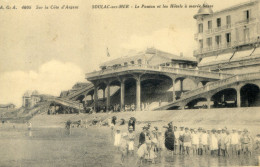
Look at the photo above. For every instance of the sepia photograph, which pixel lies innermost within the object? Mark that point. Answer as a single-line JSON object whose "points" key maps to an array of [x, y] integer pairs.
{"points": [[129, 83]]}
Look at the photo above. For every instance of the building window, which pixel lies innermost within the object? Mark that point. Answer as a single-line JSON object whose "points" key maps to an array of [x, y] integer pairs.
{"points": [[209, 25], [125, 63], [228, 39], [247, 14], [139, 61], [228, 20], [246, 35], [209, 43], [200, 28], [132, 62], [218, 22], [218, 41], [201, 43]]}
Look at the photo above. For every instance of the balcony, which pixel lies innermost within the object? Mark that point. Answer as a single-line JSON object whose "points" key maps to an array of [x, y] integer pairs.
{"points": [[227, 45], [246, 21]]}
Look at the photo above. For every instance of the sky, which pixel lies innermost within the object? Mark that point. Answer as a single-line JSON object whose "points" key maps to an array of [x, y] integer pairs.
{"points": [[51, 50]]}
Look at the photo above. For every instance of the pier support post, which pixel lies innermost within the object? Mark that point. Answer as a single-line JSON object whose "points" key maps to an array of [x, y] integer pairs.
{"points": [[95, 97], [138, 92], [208, 102], [122, 95], [238, 97], [108, 95]]}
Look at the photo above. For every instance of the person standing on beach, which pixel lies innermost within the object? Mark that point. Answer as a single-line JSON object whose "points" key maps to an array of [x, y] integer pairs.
{"points": [[247, 142], [234, 142], [222, 142], [142, 137], [186, 141], [131, 138], [213, 142], [117, 138], [194, 141], [176, 143], [123, 147], [181, 132]]}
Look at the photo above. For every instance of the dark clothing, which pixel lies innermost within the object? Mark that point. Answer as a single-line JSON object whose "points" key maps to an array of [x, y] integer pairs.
{"points": [[141, 138], [169, 140], [131, 124]]}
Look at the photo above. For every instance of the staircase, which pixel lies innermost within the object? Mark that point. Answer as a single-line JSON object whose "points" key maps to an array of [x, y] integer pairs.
{"points": [[212, 86], [88, 87]]}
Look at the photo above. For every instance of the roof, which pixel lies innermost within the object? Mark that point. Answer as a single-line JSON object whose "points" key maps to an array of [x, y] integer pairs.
{"points": [[147, 54], [234, 7], [204, 10]]}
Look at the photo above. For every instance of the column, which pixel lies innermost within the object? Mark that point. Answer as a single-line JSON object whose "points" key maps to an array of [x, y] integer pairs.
{"points": [[122, 95], [95, 97], [173, 90], [208, 102], [108, 95], [104, 93], [238, 98], [138, 93], [181, 85]]}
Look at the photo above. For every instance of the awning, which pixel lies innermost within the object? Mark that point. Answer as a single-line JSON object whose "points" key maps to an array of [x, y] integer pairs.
{"points": [[242, 54], [215, 59], [207, 61]]}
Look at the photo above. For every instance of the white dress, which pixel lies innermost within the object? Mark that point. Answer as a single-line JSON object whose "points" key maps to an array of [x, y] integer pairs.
{"points": [[117, 139]]}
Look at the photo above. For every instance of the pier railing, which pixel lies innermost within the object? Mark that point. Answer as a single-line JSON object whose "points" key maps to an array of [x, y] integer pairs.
{"points": [[220, 83], [182, 71]]}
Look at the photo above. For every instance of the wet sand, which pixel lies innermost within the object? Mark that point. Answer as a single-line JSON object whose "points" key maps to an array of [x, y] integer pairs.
{"points": [[87, 147]]}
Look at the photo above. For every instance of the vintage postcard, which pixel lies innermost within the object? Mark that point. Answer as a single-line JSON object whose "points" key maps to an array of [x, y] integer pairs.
{"points": [[130, 83]]}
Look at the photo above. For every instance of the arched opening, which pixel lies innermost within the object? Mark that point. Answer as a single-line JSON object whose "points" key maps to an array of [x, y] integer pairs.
{"points": [[226, 98], [80, 98], [174, 108], [197, 103], [250, 96]]}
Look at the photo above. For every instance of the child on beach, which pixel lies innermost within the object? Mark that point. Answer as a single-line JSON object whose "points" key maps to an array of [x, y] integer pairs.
{"points": [[123, 147], [131, 138], [117, 138], [150, 156]]}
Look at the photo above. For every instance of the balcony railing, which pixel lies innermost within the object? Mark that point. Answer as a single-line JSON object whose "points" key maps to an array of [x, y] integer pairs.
{"points": [[227, 46], [182, 71], [246, 21], [220, 83]]}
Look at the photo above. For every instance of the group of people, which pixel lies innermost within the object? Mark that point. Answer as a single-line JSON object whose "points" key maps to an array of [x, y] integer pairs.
{"points": [[184, 141], [218, 142]]}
